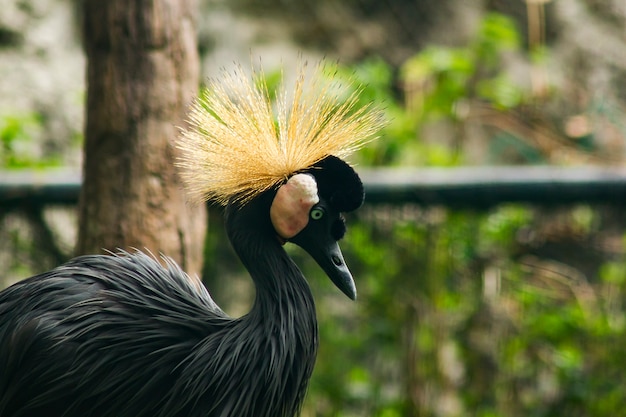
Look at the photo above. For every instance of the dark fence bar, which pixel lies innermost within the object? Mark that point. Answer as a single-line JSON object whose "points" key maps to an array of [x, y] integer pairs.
{"points": [[464, 187], [484, 187], [41, 187]]}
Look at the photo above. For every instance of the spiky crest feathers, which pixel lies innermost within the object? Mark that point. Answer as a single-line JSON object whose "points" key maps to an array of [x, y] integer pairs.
{"points": [[237, 145]]}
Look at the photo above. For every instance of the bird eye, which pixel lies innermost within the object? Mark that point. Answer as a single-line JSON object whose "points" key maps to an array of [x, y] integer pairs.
{"points": [[317, 213]]}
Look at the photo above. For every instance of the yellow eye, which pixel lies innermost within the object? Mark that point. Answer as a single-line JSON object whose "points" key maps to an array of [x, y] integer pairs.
{"points": [[317, 213]]}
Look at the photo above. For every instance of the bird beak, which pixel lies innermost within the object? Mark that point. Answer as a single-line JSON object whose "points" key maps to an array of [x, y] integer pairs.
{"points": [[330, 258], [326, 252]]}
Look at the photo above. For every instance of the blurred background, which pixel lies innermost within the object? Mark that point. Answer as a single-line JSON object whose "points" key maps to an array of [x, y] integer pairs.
{"points": [[499, 310]]}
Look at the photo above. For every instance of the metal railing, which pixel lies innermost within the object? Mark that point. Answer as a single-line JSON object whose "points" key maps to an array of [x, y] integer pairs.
{"points": [[465, 187]]}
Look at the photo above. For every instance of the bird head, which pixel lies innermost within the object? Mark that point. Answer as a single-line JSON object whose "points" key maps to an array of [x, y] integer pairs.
{"points": [[307, 210], [240, 146]]}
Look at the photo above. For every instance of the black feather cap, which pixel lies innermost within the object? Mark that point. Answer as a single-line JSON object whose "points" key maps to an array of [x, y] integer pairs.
{"points": [[338, 183]]}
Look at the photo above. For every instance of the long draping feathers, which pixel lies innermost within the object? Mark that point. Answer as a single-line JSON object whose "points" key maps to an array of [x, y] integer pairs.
{"points": [[237, 145], [122, 336]]}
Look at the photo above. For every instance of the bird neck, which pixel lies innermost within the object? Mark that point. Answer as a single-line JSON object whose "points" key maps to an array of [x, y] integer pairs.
{"points": [[281, 289], [283, 296], [281, 327]]}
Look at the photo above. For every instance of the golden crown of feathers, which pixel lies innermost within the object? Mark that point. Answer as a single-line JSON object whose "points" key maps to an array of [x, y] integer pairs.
{"points": [[237, 145]]}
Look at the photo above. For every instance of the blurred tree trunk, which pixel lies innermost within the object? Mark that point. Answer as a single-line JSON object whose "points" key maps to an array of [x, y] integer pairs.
{"points": [[142, 72]]}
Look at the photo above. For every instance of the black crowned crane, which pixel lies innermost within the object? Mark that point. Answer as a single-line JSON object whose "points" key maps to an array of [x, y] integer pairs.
{"points": [[124, 336]]}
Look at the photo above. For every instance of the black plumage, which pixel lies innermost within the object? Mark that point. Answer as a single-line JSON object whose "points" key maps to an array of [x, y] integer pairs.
{"points": [[116, 336], [338, 183]]}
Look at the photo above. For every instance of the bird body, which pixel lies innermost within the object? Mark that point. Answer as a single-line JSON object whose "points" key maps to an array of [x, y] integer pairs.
{"points": [[88, 330], [125, 335], [99, 324]]}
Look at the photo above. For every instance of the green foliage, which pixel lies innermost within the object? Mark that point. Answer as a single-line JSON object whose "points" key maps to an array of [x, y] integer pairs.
{"points": [[440, 79], [437, 84], [377, 82], [17, 142], [431, 326]]}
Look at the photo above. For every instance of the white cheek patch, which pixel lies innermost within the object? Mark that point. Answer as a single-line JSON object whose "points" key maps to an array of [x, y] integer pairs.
{"points": [[291, 206]]}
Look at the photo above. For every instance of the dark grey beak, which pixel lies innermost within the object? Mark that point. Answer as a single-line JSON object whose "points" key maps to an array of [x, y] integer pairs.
{"points": [[316, 238], [330, 258]]}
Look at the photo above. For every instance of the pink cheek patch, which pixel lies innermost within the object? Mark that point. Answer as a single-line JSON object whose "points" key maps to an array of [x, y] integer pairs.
{"points": [[291, 206]]}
